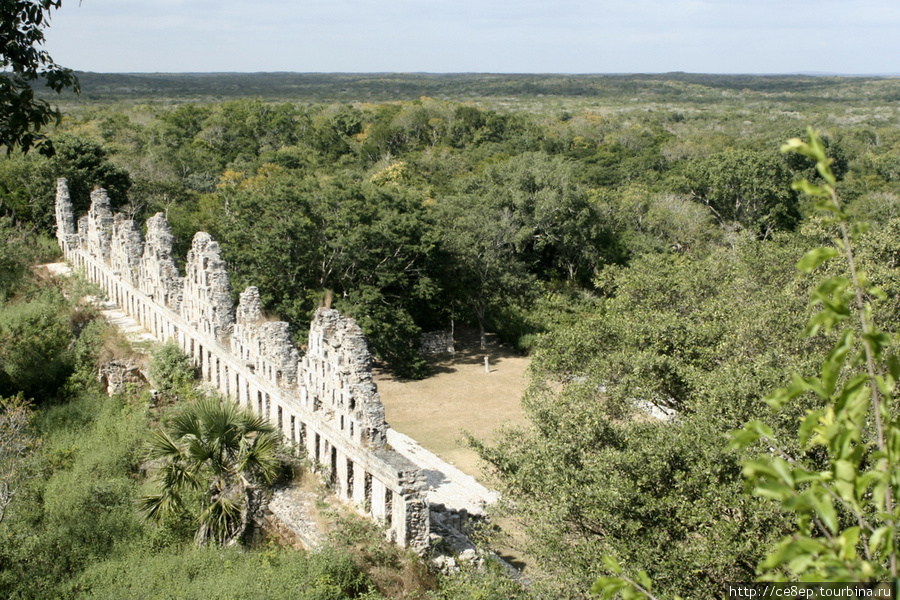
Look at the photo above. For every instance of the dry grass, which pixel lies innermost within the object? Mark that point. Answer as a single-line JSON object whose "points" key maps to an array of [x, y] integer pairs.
{"points": [[459, 396]]}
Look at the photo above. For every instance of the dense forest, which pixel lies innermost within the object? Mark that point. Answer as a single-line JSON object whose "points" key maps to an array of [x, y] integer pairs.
{"points": [[636, 235]]}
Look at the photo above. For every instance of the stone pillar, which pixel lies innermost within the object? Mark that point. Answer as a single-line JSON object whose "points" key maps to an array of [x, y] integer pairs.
{"points": [[240, 387], [204, 364], [207, 292], [342, 483], [416, 522], [360, 477], [398, 519], [378, 508], [126, 249], [310, 443]]}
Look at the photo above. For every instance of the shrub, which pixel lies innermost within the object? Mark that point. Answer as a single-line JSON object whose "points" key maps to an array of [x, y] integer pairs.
{"points": [[170, 369]]}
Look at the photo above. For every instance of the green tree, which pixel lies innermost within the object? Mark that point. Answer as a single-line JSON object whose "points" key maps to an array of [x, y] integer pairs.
{"points": [[222, 451], [86, 165], [22, 63], [835, 473], [630, 407], [295, 236], [28, 183], [13, 257], [483, 270], [745, 187], [521, 219]]}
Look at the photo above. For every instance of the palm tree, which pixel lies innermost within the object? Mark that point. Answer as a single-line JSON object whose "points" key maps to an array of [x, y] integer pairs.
{"points": [[225, 452]]}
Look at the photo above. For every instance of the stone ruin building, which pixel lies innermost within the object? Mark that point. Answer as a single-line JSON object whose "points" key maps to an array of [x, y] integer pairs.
{"points": [[325, 403]]}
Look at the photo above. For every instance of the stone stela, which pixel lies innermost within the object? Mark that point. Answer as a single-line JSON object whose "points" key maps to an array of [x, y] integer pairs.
{"points": [[325, 402]]}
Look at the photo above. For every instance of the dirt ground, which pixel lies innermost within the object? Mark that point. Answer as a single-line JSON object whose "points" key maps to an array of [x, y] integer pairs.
{"points": [[459, 396]]}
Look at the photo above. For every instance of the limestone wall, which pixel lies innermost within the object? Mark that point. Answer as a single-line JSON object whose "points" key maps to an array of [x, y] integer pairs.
{"points": [[158, 275], [325, 403], [436, 342]]}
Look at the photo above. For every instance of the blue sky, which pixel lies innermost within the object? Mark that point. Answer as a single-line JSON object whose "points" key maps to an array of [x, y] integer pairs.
{"points": [[508, 36]]}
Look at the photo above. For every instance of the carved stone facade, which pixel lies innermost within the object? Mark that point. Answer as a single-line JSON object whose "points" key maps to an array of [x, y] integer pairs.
{"points": [[338, 378], [207, 293], [65, 218], [158, 275], [325, 403], [266, 346], [99, 230], [125, 249]]}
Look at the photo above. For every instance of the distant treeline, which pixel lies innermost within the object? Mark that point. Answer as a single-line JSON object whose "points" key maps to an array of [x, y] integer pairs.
{"points": [[380, 87]]}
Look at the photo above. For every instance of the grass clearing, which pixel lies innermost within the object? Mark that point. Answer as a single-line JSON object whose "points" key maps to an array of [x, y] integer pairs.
{"points": [[459, 396]]}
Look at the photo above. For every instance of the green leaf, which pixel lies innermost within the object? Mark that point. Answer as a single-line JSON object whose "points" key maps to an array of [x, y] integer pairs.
{"points": [[811, 189], [773, 489], [814, 258], [792, 548], [827, 513], [848, 540], [612, 564], [881, 536], [844, 470], [742, 438], [808, 426], [783, 469], [607, 587], [644, 580]]}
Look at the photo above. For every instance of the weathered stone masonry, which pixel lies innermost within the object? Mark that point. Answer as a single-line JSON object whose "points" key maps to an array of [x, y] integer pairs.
{"points": [[325, 403]]}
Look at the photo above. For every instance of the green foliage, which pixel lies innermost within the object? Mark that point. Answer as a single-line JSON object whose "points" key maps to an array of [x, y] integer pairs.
{"points": [[73, 531], [171, 370], [23, 63], [749, 188], [81, 507], [86, 165], [220, 450], [489, 583], [34, 340], [838, 478], [13, 258], [17, 446], [295, 237], [597, 474], [226, 574], [28, 183]]}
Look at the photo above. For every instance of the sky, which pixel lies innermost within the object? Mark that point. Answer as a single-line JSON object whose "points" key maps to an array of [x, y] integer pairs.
{"points": [[480, 36]]}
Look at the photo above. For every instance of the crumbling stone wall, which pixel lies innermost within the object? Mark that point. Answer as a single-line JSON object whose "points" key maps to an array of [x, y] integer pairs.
{"points": [[66, 233], [99, 230], [125, 249], [338, 382], [158, 275], [325, 403], [207, 292], [266, 346], [436, 342]]}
